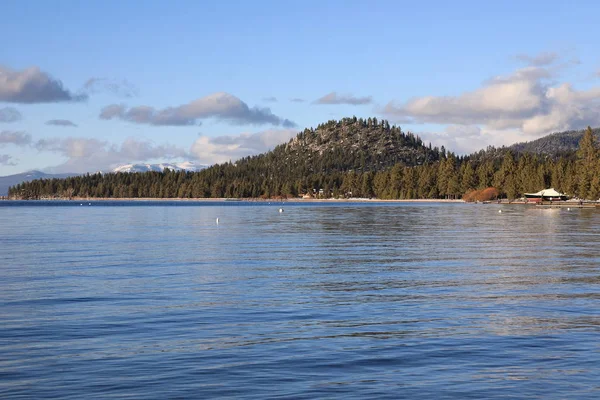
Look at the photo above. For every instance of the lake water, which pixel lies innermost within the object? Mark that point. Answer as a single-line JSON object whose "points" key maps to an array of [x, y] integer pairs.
{"points": [[433, 301]]}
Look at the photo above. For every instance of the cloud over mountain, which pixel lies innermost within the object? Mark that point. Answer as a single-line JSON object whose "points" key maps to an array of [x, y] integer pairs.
{"points": [[32, 85], [10, 114], [91, 154], [88, 154], [335, 98], [210, 150], [220, 106]]}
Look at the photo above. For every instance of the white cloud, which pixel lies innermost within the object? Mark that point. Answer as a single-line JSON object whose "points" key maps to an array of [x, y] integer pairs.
{"points": [[210, 150], [33, 86], [221, 106], [501, 99], [465, 139], [17, 138], [10, 114], [335, 98], [527, 102]]}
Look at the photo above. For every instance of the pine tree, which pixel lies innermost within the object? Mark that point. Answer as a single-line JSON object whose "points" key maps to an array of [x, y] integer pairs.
{"points": [[504, 179], [587, 157], [467, 177]]}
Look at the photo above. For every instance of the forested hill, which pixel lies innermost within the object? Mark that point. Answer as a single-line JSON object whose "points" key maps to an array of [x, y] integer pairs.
{"points": [[318, 159], [555, 144], [335, 146]]}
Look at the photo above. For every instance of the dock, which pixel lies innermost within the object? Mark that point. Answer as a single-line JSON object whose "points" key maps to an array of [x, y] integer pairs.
{"points": [[565, 204]]}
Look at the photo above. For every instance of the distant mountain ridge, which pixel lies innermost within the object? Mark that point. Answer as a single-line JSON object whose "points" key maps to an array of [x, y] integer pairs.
{"points": [[181, 166], [12, 180], [554, 144]]}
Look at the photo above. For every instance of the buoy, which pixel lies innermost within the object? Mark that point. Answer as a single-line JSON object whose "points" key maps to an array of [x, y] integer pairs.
{"points": [[569, 209], [81, 204], [89, 204], [499, 211], [217, 221], [281, 210]]}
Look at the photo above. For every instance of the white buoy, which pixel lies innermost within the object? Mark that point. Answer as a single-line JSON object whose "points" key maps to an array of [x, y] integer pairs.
{"points": [[89, 204], [81, 204], [499, 211], [569, 209], [217, 221], [281, 210]]}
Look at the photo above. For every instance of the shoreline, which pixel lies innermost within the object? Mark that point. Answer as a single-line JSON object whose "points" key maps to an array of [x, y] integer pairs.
{"points": [[251, 200], [564, 204]]}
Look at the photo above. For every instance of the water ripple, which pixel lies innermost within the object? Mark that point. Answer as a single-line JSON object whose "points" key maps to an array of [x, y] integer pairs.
{"points": [[154, 300]]}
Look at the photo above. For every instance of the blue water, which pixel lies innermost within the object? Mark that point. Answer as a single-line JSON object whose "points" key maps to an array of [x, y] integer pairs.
{"points": [[419, 301]]}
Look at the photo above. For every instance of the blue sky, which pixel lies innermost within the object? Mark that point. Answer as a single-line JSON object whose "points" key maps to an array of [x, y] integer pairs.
{"points": [[85, 86]]}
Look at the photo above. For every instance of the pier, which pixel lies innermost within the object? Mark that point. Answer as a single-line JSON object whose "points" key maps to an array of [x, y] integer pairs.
{"points": [[565, 204]]}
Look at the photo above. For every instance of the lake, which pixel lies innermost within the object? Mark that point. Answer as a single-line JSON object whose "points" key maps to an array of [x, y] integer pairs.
{"points": [[353, 300]]}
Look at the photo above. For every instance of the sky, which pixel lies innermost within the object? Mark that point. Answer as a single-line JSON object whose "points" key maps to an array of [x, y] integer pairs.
{"points": [[86, 86]]}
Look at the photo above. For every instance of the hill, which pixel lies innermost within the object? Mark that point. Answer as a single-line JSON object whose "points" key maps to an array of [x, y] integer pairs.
{"points": [[355, 144], [12, 180], [345, 145], [555, 144], [319, 158]]}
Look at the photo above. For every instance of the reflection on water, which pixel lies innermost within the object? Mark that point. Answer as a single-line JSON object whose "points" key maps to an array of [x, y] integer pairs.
{"points": [[353, 300]]}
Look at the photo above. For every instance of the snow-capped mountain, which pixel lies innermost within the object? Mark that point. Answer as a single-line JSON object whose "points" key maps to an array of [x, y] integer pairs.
{"points": [[182, 166]]}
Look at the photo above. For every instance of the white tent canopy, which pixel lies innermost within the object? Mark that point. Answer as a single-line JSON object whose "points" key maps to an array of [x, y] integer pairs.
{"points": [[546, 193]]}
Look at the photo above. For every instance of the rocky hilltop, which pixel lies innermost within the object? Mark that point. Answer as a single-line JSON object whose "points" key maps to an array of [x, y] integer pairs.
{"points": [[347, 144]]}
